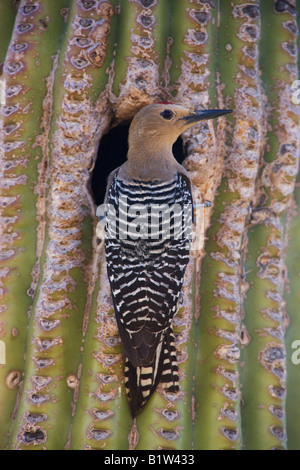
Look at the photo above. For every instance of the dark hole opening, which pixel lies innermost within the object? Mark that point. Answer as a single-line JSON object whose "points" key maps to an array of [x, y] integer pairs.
{"points": [[112, 153]]}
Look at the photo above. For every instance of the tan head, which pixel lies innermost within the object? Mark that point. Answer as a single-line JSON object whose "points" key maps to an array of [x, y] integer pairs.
{"points": [[152, 133], [162, 123]]}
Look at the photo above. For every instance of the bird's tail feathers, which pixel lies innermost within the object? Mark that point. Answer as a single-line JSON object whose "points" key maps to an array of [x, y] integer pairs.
{"points": [[141, 381], [169, 375]]}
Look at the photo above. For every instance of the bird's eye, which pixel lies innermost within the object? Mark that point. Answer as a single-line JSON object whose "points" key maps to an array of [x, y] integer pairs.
{"points": [[167, 114]]}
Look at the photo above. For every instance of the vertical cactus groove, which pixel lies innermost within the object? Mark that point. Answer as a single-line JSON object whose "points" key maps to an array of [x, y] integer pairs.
{"points": [[70, 70], [187, 75], [52, 367], [25, 128], [221, 290], [265, 312]]}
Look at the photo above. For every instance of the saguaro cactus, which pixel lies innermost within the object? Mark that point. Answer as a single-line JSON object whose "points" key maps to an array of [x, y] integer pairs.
{"points": [[71, 71]]}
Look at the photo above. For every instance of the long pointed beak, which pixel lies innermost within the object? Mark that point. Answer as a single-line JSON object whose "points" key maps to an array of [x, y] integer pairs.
{"points": [[205, 114]]}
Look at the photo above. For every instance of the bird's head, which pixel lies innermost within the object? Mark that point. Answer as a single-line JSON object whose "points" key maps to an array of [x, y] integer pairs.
{"points": [[164, 122]]}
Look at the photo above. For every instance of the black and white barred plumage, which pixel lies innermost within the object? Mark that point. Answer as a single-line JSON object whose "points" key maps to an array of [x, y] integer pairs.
{"points": [[147, 243]]}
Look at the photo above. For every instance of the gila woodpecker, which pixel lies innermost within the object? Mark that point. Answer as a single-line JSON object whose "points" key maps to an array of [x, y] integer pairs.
{"points": [[147, 243]]}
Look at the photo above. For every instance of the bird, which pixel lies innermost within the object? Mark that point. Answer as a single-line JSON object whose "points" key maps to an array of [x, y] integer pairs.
{"points": [[148, 225]]}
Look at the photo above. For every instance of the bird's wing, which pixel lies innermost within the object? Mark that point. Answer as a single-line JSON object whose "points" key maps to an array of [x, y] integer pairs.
{"points": [[146, 278], [190, 188], [109, 182]]}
